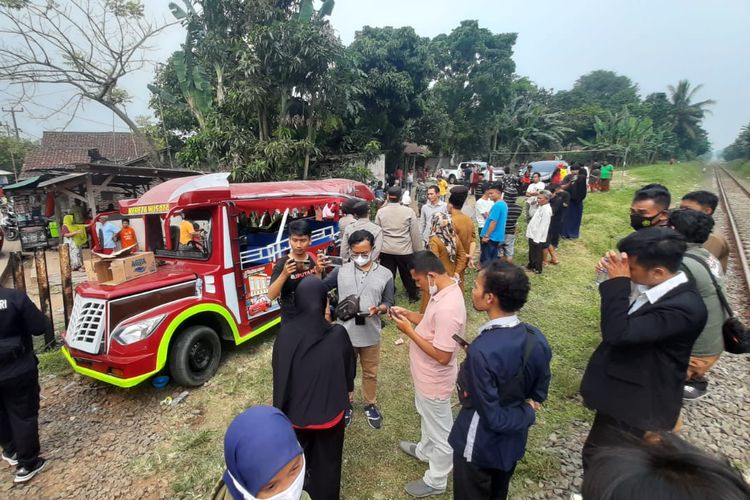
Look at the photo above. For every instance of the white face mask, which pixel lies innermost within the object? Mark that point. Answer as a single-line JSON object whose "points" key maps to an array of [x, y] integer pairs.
{"points": [[432, 288], [361, 260], [294, 492]]}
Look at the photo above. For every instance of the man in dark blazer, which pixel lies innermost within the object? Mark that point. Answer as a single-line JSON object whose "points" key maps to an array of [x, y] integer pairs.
{"points": [[635, 377]]}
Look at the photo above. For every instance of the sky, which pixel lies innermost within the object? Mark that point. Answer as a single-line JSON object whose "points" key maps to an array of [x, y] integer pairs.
{"points": [[655, 43]]}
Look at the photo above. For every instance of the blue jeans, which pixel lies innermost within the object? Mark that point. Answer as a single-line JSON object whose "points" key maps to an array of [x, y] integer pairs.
{"points": [[488, 252]]}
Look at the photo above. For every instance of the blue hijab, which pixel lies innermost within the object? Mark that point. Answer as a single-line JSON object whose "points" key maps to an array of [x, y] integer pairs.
{"points": [[257, 445]]}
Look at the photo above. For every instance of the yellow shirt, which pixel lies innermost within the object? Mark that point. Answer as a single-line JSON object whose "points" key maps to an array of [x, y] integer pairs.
{"points": [[443, 185], [186, 232]]}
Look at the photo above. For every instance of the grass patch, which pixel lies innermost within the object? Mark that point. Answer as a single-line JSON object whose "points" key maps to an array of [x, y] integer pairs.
{"points": [[741, 168], [564, 304], [54, 363]]}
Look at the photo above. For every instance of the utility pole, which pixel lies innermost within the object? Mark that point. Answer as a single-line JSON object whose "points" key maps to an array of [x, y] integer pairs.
{"points": [[10, 150], [13, 112]]}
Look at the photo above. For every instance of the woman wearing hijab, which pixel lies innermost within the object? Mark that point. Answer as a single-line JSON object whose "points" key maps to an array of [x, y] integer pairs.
{"points": [[313, 374], [75, 236], [263, 458], [577, 186], [444, 243]]}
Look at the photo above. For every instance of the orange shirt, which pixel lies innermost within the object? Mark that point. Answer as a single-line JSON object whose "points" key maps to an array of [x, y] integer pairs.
{"points": [[127, 237]]}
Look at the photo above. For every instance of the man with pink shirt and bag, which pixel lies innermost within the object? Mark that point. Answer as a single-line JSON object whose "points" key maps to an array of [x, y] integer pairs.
{"points": [[432, 358]]}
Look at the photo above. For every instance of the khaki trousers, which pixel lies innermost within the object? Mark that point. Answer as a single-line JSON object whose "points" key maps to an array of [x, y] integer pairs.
{"points": [[369, 359]]}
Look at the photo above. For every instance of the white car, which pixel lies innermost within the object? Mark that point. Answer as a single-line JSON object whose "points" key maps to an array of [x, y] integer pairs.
{"points": [[454, 174]]}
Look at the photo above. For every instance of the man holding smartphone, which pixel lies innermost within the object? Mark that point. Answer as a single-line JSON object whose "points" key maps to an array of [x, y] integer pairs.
{"points": [[293, 268], [489, 436], [432, 358], [372, 284]]}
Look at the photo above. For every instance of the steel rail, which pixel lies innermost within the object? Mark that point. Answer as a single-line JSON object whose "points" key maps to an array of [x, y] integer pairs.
{"points": [[732, 221]]}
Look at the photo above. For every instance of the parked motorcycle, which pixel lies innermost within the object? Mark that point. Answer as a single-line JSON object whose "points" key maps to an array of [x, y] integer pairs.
{"points": [[9, 223]]}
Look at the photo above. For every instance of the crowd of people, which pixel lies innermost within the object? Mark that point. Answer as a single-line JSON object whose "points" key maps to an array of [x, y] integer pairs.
{"points": [[662, 311], [661, 333]]}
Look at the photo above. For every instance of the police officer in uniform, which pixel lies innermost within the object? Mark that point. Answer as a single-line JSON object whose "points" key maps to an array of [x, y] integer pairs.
{"points": [[19, 383]]}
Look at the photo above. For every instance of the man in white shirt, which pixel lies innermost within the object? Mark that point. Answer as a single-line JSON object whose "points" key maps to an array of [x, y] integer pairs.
{"points": [[536, 185], [482, 209], [433, 206], [537, 231], [635, 378]]}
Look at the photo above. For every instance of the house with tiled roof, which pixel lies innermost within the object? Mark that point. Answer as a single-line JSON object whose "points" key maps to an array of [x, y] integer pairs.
{"points": [[61, 151]]}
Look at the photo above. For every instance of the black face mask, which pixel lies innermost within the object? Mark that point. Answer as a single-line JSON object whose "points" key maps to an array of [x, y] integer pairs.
{"points": [[638, 221]]}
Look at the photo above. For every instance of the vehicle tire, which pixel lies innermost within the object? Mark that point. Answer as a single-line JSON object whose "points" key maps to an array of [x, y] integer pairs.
{"points": [[11, 233], [194, 357], [452, 179]]}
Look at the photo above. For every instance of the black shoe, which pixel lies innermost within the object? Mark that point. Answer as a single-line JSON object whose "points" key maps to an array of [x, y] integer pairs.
{"points": [[374, 418], [695, 389], [348, 414], [11, 458], [24, 474]]}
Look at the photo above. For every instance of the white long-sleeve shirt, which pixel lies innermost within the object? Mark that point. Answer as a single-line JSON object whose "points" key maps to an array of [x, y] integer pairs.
{"points": [[539, 224]]}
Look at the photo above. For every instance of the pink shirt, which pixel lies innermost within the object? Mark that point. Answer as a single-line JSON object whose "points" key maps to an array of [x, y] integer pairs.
{"points": [[444, 317]]}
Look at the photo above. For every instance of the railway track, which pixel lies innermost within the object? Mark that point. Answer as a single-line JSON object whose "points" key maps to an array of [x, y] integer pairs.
{"points": [[735, 199]]}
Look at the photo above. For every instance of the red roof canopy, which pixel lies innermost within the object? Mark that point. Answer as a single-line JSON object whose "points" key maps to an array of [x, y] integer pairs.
{"points": [[215, 187]]}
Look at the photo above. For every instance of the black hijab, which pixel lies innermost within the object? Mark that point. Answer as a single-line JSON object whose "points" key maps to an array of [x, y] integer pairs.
{"points": [[313, 361]]}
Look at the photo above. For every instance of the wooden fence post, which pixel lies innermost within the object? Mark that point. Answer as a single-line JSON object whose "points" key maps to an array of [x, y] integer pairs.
{"points": [[66, 277], [40, 260], [19, 279]]}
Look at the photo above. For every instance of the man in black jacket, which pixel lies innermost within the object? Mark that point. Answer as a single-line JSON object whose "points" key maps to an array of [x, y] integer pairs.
{"points": [[19, 383], [635, 377]]}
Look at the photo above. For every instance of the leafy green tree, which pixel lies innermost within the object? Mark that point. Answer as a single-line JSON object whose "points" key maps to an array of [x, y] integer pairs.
{"points": [[740, 148], [396, 67], [526, 125], [605, 88], [686, 117], [474, 79], [259, 79], [12, 153], [592, 96], [629, 138]]}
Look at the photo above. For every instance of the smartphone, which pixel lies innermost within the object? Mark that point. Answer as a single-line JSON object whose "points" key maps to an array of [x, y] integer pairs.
{"points": [[460, 341], [334, 260]]}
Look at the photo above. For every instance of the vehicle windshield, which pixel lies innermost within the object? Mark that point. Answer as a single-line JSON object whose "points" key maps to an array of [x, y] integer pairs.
{"points": [[190, 235], [545, 166]]}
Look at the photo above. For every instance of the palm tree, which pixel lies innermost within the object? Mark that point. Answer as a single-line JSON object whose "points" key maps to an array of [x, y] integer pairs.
{"points": [[526, 125], [687, 115]]}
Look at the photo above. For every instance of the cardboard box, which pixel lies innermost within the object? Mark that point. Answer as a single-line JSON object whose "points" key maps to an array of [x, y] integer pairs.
{"points": [[118, 270]]}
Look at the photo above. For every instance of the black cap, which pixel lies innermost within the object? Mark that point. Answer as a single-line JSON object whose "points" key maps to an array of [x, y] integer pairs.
{"points": [[394, 192]]}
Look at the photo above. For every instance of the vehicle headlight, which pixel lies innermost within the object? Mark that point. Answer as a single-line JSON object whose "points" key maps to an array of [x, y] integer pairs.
{"points": [[133, 332]]}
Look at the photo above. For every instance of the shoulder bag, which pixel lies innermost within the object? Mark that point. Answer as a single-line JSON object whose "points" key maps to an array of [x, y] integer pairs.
{"points": [[735, 333]]}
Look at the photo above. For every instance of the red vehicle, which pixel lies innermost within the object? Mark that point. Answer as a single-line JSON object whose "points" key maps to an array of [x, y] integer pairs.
{"points": [[213, 288]]}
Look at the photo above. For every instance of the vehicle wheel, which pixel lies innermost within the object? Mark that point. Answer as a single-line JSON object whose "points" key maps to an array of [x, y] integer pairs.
{"points": [[11, 234], [195, 355], [452, 179]]}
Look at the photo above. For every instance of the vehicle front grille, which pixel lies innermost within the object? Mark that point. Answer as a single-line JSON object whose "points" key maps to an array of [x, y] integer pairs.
{"points": [[86, 327]]}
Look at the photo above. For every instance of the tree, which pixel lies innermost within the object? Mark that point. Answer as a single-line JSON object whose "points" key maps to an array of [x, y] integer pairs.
{"points": [[88, 45], [12, 153], [527, 125], [740, 148], [605, 88], [473, 83], [258, 80], [396, 67], [629, 137], [592, 96], [686, 118]]}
